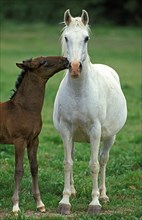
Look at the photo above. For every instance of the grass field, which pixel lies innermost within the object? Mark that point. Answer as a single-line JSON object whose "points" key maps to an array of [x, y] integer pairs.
{"points": [[115, 46]]}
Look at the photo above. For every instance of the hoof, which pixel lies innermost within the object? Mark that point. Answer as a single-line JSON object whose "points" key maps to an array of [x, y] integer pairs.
{"points": [[73, 191], [15, 214], [64, 209], [104, 199], [73, 194], [42, 209], [94, 209]]}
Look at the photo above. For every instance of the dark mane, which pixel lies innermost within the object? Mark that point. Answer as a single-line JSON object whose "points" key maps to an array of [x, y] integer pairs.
{"points": [[18, 83]]}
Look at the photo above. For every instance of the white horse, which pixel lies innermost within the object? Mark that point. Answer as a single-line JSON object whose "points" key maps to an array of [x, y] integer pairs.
{"points": [[89, 107]]}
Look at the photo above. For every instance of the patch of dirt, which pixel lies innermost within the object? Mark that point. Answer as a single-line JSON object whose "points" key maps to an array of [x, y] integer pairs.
{"points": [[36, 215]]}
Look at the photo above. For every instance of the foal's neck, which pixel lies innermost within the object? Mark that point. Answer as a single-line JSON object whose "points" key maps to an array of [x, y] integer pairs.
{"points": [[30, 95]]}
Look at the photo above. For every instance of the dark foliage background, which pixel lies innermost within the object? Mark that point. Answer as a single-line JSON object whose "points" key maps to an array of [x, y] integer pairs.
{"points": [[122, 12]]}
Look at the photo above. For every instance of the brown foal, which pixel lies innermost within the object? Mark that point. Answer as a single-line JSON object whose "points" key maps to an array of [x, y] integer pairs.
{"points": [[20, 118]]}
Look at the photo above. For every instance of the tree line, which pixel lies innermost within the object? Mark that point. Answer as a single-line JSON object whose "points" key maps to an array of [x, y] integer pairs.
{"points": [[118, 12]]}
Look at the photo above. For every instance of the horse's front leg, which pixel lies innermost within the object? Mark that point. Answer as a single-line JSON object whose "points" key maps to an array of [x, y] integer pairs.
{"points": [[64, 205], [73, 191], [32, 155], [19, 147], [95, 134]]}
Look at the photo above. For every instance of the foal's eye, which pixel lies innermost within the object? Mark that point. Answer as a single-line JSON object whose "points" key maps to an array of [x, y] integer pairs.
{"points": [[66, 39], [43, 62], [86, 39]]}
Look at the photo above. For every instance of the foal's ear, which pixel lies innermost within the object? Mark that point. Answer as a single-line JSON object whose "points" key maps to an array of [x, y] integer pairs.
{"points": [[67, 17], [20, 65], [84, 17], [26, 66]]}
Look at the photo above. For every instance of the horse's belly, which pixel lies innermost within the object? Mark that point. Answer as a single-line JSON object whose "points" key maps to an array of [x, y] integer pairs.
{"points": [[80, 136], [114, 124]]}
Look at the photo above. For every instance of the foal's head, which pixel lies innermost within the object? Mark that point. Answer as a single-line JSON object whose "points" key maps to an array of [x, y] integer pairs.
{"points": [[74, 41], [44, 67]]}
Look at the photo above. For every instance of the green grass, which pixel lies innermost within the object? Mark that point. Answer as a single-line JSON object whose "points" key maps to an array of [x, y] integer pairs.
{"points": [[115, 46]]}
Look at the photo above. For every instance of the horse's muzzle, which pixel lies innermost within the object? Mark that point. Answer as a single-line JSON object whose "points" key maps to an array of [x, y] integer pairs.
{"points": [[75, 68]]}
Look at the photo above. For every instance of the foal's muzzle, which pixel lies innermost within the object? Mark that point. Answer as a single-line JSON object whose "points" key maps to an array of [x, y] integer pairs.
{"points": [[75, 68]]}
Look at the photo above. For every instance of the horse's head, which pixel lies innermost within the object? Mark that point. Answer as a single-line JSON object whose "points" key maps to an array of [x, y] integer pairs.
{"points": [[45, 67], [74, 41]]}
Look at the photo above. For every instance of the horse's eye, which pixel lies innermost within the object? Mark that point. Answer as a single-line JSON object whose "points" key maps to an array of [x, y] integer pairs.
{"points": [[66, 39], [86, 39]]}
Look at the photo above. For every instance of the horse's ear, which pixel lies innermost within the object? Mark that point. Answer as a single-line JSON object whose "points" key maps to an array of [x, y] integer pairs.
{"points": [[67, 17], [84, 17]]}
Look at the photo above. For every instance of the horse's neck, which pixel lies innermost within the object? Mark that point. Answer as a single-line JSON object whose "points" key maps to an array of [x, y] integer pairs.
{"points": [[30, 94]]}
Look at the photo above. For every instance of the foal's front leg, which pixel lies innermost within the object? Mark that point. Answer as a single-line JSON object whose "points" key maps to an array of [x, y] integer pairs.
{"points": [[64, 204], [32, 155], [19, 147], [95, 133]]}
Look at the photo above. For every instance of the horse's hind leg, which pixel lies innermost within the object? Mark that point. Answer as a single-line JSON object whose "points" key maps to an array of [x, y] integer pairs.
{"points": [[19, 145], [95, 134], [32, 155], [104, 156]]}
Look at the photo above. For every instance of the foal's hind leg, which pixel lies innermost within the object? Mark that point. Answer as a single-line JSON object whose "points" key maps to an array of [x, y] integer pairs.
{"points": [[32, 155], [104, 156], [19, 145]]}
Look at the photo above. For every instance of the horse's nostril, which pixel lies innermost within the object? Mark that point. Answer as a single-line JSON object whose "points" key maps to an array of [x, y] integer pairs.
{"points": [[80, 66], [69, 65]]}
